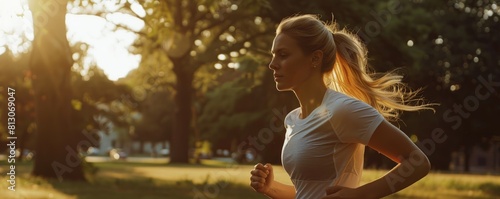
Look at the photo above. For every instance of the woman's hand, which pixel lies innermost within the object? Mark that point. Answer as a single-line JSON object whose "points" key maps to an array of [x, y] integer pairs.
{"points": [[339, 192], [262, 178]]}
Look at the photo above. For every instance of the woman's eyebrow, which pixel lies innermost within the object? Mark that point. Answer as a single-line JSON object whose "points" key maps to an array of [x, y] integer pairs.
{"points": [[276, 51]]}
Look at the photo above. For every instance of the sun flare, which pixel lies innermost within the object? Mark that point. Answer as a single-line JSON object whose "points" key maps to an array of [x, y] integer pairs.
{"points": [[108, 48], [16, 29]]}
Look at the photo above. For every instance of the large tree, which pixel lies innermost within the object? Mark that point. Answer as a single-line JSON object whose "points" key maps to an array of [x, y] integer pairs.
{"points": [[50, 64], [193, 34]]}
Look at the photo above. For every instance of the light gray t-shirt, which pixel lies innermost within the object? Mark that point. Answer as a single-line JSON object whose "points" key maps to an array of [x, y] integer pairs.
{"points": [[326, 148]]}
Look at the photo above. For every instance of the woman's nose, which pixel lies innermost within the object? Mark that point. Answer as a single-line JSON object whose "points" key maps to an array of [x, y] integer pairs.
{"points": [[272, 65]]}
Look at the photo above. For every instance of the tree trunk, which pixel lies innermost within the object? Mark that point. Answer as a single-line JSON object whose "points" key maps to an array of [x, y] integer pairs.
{"points": [[182, 120], [22, 143], [51, 62], [141, 147], [467, 152]]}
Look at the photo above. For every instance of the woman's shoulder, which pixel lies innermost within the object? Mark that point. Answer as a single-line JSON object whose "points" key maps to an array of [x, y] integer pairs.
{"points": [[335, 98], [336, 101], [295, 113]]}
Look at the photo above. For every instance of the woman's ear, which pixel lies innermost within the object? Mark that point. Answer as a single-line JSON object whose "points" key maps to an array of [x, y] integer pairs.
{"points": [[317, 57]]}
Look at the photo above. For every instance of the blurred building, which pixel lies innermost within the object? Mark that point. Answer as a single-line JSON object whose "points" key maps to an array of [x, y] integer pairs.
{"points": [[160, 148]]}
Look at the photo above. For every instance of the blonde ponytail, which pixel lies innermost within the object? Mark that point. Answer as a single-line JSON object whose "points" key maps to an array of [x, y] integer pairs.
{"points": [[351, 75], [345, 66]]}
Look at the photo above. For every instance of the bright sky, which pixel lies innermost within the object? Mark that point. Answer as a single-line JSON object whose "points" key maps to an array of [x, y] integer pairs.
{"points": [[108, 49]]}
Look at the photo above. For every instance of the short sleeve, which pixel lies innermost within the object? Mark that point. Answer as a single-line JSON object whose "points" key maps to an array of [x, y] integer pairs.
{"points": [[354, 121]]}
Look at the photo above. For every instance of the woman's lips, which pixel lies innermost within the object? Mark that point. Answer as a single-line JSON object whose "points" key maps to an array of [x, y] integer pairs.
{"points": [[277, 77]]}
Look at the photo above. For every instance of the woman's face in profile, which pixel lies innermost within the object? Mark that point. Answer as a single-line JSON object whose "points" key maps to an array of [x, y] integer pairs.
{"points": [[289, 64]]}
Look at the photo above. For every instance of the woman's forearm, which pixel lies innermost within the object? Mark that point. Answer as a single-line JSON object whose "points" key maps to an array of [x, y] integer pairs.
{"points": [[281, 191], [403, 175]]}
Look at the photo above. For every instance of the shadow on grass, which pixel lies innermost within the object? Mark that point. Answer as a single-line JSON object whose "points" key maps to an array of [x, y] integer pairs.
{"points": [[124, 180], [490, 188], [150, 188]]}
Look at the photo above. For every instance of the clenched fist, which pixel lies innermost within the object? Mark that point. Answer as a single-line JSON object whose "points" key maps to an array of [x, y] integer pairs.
{"points": [[262, 178]]}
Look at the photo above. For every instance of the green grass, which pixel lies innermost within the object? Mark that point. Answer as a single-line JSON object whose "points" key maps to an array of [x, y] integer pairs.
{"points": [[447, 185], [123, 180]]}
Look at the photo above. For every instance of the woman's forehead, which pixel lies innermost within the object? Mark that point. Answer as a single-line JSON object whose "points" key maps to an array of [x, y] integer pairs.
{"points": [[282, 42]]}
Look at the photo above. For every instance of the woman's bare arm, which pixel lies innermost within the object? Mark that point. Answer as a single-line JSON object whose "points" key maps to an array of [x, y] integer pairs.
{"points": [[262, 180], [393, 143], [281, 191]]}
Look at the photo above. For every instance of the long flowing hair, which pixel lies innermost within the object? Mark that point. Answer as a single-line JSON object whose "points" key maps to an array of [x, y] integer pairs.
{"points": [[345, 66]]}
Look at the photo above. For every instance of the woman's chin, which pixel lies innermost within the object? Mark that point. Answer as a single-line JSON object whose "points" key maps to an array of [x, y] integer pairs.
{"points": [[282, 87]]}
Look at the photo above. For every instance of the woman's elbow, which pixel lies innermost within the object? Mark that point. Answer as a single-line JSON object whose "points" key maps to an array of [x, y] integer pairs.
{"points": [[419, 163], [425, 165], [428, 165]]}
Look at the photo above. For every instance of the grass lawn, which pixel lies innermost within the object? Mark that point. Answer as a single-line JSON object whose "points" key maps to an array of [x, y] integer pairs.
{"points": [[122, 180]]}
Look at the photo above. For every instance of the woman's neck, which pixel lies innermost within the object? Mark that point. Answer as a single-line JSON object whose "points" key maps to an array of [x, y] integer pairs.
{"points": [[310, 95]]}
